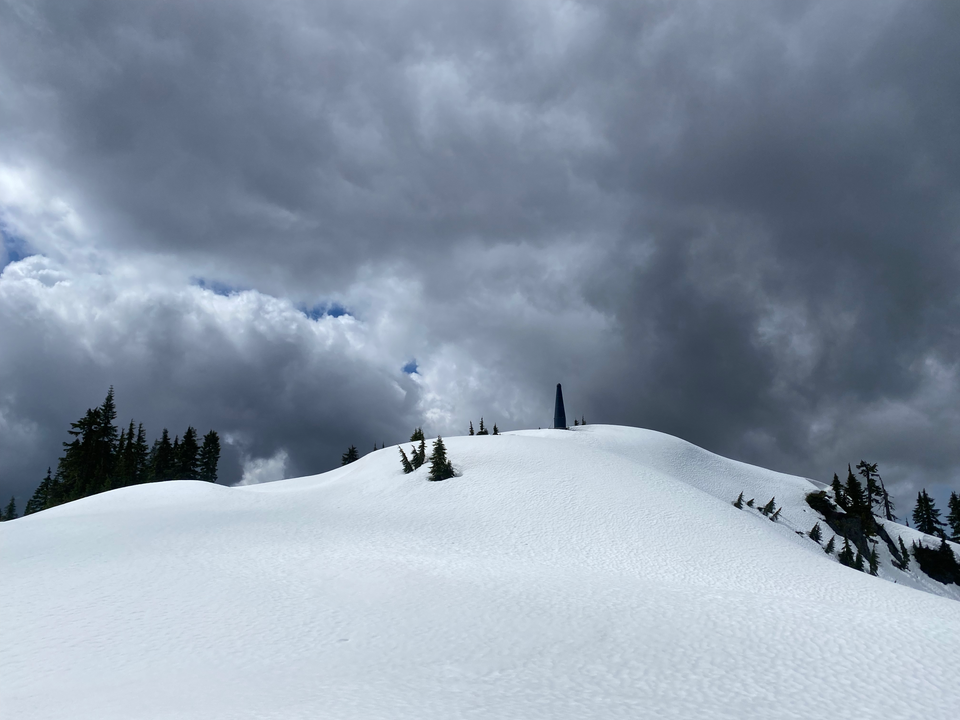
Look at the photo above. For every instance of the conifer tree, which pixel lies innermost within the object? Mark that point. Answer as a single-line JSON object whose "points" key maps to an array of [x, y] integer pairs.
{"points": [[41, 496], [858, 561], [440, 467], [776, 515], [162, 459], [576, 423], [495, 430], [904, 555], [828, 549], [856, 500], [189, 460], [10, 513], [119, 464], [482, 430], [405, 462], [888, 504], [583, 420], [209, 457], [859, 504], [953, 516], [815, 533], [874, 561], [132, 451], [750, 502], [926, 516], [769, 507], [417, 435], [418, 454], [846, 554], [945, 557], [471, 427], [869, 473], [838, 492], [351, 455], [106, 443], [738, 503]]}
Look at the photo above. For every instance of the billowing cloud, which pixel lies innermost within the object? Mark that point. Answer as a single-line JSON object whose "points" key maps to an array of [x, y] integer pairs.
{"points": [[734, 224]]}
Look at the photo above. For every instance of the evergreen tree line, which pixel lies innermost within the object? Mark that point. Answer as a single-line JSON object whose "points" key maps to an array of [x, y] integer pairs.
{"points": [[483, 430], [863, 503], [440, 466], [99, 458], [10, 511]]}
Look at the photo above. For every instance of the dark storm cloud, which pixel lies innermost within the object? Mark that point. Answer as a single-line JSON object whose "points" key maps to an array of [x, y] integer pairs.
{"points": [[737, 223]]}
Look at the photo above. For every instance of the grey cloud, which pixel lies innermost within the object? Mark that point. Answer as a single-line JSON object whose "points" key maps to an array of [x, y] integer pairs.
{"points": [[733, 223]]}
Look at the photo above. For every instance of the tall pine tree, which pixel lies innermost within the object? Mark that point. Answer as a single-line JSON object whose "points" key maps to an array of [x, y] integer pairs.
{"points": [[209, 456], [953, 516], [42, 496], [189, 461], [162, 459], [926, 517]]}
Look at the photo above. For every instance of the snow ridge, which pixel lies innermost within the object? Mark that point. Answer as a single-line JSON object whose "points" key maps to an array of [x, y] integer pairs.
{"points": [[600, 572]]}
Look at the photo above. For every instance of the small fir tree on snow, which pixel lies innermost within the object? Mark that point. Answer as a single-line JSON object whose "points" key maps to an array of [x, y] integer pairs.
{"points": [[815, 533], [405, 461], [776, 515], [420, 454], [482, 430], [874, 561], [738, 503], [846, 554], [583, 420], [417, 435], [904, 554], [495, 430], [576, 422], [858, 561], [10, 513], [769, 507], [440, 466], [471, 427], [830, 546], [351, 455], [750, 502]]}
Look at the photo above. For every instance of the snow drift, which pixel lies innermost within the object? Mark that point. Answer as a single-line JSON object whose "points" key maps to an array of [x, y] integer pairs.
{"points": [[601, 572]]}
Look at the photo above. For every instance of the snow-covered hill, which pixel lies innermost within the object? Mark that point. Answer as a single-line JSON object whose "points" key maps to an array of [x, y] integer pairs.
{"points": [[601, 572]]}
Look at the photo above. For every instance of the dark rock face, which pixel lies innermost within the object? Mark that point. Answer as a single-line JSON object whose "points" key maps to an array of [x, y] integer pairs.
{"points": [[850, 526], [559, 416]]}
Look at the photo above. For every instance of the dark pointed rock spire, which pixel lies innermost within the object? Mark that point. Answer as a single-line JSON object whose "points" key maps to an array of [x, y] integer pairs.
{"points": [[559, 416]]}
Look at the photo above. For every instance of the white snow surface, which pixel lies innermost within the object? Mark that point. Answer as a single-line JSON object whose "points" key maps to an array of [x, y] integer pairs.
{"points": [[597, 573]]}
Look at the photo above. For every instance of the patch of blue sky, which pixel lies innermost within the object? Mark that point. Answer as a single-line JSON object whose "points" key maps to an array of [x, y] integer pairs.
{"points": [[14, 248], [216, 287], [321, 310], [411, 367]]}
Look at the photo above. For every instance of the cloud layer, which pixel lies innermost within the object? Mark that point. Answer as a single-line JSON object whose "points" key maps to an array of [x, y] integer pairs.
{"points": [[733, 224]]}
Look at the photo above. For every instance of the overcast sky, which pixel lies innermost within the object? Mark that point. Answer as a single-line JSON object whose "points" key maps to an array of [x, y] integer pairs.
{"points": [[311, 224]]}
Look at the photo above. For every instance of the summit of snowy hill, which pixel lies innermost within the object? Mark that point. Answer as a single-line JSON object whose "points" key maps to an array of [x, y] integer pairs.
{"points": [[599, 572]]}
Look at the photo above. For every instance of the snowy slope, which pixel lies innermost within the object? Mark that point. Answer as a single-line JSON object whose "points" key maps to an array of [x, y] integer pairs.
{"points": [[601, 572]]}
